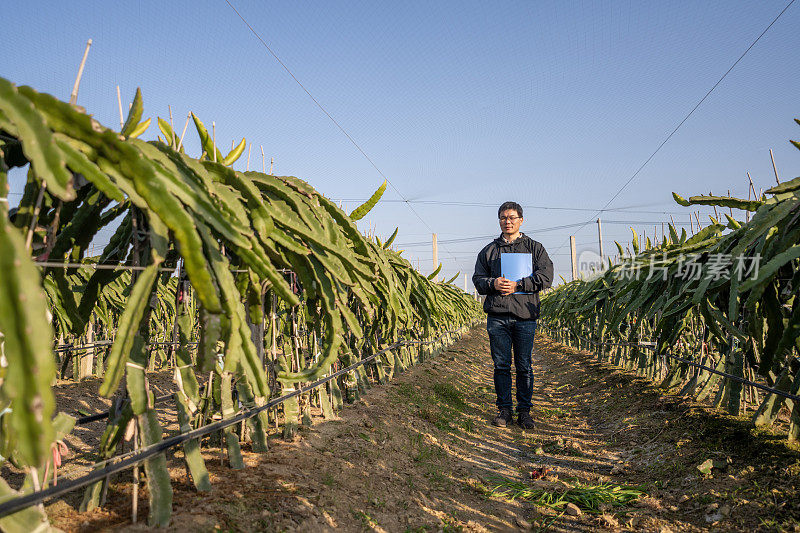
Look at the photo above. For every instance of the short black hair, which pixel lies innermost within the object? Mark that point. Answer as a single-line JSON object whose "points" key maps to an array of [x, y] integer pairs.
{"points": [[510, 205]]}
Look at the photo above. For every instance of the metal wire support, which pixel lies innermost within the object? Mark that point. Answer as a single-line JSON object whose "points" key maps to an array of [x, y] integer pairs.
{"points": [[124, 462], [652, 346]]}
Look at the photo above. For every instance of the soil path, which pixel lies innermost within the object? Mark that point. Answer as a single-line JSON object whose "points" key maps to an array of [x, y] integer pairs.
{"points": [[419, 454]]}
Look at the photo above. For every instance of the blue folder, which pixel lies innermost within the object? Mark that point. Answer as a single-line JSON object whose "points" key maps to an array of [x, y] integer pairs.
{"points": [[516, 266]]}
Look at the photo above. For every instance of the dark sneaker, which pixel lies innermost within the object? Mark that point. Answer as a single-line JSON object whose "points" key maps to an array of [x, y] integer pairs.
{"points": [[503, 418], [525, 421]]}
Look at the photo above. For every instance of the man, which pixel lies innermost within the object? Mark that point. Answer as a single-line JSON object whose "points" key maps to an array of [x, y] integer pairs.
{"points": [[512, 306]]}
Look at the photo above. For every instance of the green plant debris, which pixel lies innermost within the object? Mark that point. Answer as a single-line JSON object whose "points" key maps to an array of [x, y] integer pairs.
{"points": [[588, 497]]}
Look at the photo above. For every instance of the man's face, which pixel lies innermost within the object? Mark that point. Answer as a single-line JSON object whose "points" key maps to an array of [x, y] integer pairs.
{"points": [[510, 221]]}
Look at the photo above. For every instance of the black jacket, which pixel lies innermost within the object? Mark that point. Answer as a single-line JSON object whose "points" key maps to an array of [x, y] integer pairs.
{"points": [[487, 268]]}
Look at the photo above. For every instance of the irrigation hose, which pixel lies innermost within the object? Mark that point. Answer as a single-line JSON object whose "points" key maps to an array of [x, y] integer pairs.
{"points": [[732, 377], [105, 414], [82, 421], [99, 344], [33, 498]]}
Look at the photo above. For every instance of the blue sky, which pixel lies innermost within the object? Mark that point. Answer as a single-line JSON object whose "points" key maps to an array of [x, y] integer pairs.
{"points": [[551, 104]]}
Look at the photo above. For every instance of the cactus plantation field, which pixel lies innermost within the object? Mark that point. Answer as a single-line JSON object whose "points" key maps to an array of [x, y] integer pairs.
{"points": [[240, 355], [420, 455], [256, 292]]}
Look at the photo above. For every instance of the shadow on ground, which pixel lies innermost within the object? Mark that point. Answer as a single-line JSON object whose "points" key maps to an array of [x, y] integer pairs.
{"points": [[419, 454]]}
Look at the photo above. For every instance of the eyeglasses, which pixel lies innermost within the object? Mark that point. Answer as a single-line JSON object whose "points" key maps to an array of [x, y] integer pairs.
{"points": [[510, 219]]}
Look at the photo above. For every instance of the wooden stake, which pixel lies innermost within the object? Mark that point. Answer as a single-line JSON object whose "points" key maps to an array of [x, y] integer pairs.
{"points": [[249, 149], [573, 257], [73, 98], [214, 139], [135, 502], [180, 143], [435, 255], [119, 103], [600, 243], [774, 168], [273, 317], [86, 360]]}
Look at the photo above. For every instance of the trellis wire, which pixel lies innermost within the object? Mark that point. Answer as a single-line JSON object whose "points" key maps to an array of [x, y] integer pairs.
{"points": [[102, 266], [36, 497], [651, 346], [99, 344]]}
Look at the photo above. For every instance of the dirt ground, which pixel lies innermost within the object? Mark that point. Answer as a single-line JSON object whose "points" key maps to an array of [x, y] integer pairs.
{"points": [[419, 454]]}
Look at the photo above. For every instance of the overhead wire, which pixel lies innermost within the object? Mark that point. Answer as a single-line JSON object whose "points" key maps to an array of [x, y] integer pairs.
{"points": [[689, 114], [493, 236], [525, 206], [650, 345], [538, 230], [325, 111]]}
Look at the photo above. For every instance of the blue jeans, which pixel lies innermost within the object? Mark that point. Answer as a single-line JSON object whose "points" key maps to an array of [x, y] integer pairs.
{"points": [[507, 334]]}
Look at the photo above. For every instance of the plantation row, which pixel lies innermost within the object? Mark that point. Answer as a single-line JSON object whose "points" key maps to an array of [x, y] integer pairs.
{"points": [[726, 298], [267, 277]]}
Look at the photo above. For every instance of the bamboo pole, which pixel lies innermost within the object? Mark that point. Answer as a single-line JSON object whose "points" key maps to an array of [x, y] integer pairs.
{"points": [[435, 255], [263, 163], [119, 103], [774, 168], [135, 502], [600, 242], [73, 98], [180, 143], [573, 257], [214, 139]]}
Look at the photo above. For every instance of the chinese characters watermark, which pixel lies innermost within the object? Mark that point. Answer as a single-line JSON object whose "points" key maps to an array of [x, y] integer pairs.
{"points": [[692, 267]]}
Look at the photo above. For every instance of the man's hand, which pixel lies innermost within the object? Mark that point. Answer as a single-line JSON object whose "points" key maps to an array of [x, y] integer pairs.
{"points": [[505, 286]]}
